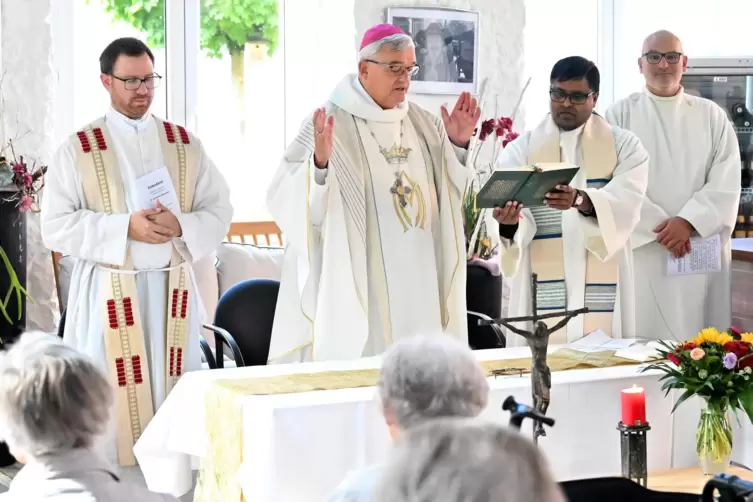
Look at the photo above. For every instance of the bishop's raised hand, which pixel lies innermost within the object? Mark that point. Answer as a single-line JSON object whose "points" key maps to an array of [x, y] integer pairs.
{"points": [[324, 128], [461, 124]]}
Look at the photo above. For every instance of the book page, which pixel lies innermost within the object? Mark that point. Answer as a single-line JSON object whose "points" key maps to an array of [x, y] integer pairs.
{"points": [[705, 257]]}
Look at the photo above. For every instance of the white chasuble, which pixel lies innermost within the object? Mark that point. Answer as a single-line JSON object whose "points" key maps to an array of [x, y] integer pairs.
{"points": [[402, 202], [695, 174], [368, 262], [133, 307], [580, 261]]}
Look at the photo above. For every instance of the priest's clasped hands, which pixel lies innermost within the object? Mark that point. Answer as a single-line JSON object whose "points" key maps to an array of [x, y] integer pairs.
{"points": [[674, 234], [154, 226]]}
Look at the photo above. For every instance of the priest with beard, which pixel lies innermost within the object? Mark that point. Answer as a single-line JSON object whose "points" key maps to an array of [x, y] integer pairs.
{"points": [[369, 197], [578, 243], [693, 190]]}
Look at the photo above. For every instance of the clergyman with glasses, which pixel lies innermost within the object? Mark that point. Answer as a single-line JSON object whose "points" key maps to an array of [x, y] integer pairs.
{"points": [[369, 197], [141, 207], [577, 244], [693, 191]]}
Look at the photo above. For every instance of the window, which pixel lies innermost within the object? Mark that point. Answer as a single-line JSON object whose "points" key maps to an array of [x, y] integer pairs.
{"points": [[253, 98], [554, 31], [704, 28], [81, 29]]}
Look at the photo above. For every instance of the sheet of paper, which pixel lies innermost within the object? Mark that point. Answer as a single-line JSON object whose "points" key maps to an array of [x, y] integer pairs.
{"points": [[640, 352], [158, 186], [705, 257], [598, 341]]}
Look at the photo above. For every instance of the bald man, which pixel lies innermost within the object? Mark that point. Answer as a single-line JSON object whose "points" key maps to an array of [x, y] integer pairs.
{"points": [[693, 190]]}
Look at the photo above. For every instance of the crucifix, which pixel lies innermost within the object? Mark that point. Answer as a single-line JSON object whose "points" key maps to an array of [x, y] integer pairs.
{"points": [[538, 341]]}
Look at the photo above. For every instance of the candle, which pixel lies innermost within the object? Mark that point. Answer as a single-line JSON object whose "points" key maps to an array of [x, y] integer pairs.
{"points": [[634, 406]]}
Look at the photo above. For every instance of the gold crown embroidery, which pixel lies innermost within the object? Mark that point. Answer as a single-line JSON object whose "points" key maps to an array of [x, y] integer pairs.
{"points": [[396, 155]]}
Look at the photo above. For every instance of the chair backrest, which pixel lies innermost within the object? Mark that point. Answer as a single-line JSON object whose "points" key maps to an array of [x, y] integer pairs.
{"points": [[261, 233], [618, 490], [247, 312]]}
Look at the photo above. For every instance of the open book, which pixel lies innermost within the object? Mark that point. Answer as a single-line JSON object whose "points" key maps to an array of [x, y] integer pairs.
{"points": [[526, 185]]}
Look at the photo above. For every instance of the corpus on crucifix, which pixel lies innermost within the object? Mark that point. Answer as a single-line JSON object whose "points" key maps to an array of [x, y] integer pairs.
{"points": [[538, 341]]}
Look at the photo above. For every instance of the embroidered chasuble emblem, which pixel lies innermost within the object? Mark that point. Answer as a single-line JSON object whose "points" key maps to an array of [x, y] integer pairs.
{"points": [[123, 330], [546, 250]]}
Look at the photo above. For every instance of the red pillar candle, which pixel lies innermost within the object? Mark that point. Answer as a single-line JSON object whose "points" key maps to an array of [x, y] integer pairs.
{"points": [[634, 406]]}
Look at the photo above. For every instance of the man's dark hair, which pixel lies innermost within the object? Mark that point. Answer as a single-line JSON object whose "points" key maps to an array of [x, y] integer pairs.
{"points": [[127, 46], [574, 68]]}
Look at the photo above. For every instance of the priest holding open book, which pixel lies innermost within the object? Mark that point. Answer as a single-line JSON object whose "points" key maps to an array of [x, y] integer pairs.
{"points": [[576, 237]]}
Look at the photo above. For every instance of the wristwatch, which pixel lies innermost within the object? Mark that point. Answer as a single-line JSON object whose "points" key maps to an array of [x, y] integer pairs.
{"points": [[578, 198]]}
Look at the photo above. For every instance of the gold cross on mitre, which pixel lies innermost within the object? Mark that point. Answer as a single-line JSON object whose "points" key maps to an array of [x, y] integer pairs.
{"points": [[397, 155]]}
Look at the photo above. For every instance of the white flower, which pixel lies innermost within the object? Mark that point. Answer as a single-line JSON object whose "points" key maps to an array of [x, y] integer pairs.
{"points": [[702, 374], [748, 370], [746, 378]]}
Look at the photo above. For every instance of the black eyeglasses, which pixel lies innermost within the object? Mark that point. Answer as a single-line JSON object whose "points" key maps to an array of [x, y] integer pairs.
{"points": [[133, 83], [654, 57], [396, 69], [577, 98]]}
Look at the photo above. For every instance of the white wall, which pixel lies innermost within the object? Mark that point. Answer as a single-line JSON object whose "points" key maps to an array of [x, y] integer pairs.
{"points": [[27, 93], [500, 49]]}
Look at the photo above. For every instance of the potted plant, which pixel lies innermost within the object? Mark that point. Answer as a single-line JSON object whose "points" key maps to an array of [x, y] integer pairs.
{"points": [[19, 189], [717, 366], [484, 280]]}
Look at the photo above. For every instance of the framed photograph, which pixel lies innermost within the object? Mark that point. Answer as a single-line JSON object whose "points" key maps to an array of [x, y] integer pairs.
{"points": [[446, 48]]}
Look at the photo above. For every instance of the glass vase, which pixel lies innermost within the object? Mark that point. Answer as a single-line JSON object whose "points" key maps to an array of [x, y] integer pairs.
{"points": [[714, 439]]}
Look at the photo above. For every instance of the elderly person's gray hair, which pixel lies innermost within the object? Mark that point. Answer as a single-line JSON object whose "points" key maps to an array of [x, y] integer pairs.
{"points": [[451, 460], [52, 398], [430, 376], [396, 42]]}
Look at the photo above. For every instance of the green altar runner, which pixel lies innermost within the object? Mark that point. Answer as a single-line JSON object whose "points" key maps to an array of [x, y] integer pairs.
{"points": [[224, 455]]}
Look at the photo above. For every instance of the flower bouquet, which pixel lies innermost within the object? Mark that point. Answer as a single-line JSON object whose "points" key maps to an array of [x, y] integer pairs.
{"points": [[20, 183], [497, 132], [716, 366]]}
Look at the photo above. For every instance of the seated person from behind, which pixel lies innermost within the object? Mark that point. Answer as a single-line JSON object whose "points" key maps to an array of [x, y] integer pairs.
{"points": [[54, 404], [452, 460], [422, 378]]}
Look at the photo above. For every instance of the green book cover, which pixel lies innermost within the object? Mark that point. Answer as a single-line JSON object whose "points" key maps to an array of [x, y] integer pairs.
{"points": [[526, 185]]}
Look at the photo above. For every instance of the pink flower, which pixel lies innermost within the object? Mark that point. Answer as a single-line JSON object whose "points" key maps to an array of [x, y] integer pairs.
{"points": [[697, 354], [25, 203], [19, 169], [28, 180], [509, 137]]}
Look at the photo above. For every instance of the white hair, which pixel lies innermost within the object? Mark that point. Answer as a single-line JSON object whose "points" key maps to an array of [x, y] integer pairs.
{"points": [[451, 460], [429, 376], [396, 42], [52, 398]]}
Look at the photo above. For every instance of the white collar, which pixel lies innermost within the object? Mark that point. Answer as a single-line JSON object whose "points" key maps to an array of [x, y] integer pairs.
{"points": [[677, 97], [350, 95], [114, 117]]}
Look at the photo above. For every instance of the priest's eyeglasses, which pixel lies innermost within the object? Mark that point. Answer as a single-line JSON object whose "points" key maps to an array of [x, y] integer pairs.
{"points": [[654, 57], [396, 69], [576, 98], [131, 84]]}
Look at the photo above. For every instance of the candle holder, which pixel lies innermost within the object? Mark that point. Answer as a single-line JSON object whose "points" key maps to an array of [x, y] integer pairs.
{"points": [[633, 451]]}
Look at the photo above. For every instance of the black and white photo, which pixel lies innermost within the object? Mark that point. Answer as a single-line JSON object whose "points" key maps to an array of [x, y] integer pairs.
{"points": [[446, 47]]}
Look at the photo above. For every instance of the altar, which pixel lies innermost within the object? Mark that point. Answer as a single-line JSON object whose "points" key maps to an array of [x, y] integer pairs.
{"points": [[299, 446]]}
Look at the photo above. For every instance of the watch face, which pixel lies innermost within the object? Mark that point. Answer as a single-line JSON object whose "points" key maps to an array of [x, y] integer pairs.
{"points": [[578, 200]]}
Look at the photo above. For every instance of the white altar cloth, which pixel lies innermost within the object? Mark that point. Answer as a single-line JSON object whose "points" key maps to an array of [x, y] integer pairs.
{"points": [[298, 447]]}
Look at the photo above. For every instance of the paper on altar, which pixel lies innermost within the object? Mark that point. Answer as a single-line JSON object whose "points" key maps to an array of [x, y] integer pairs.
{"points": [[598, 341], [640, 352], [158, 186], [705, 257]]}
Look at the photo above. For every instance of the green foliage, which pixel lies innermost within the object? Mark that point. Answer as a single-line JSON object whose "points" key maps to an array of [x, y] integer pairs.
{"points": [[226, 25]]}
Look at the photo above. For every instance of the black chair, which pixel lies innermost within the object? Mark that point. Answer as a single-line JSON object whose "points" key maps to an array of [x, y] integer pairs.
{"points": [[205, 349], [243, 322], [618, 490], [483, 293]]}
